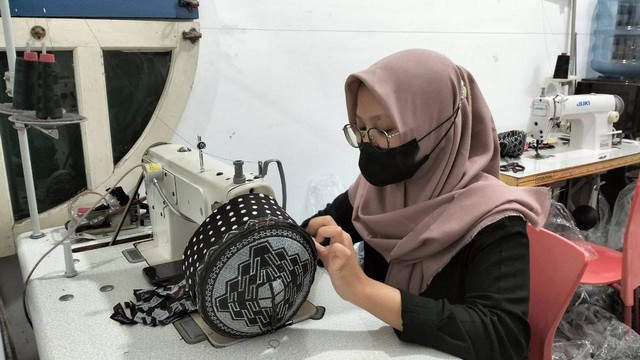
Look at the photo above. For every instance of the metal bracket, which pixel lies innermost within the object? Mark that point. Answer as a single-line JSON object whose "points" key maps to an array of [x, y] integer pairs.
{"points": [[189, 4], [51, 132], [38, 32], [192, 35]]}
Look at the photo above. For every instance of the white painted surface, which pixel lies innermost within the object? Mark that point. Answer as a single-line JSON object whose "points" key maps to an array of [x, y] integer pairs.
{"points": [[269, 82], [81, 328], [271, 74]]}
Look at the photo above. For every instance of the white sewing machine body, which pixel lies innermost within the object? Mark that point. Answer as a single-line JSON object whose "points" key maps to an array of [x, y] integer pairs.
{"points": [[192, 192], [591, 117]]}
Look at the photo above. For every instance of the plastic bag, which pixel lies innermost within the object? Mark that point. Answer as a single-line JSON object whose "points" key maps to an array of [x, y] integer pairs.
{"points": [[604, 335], [561, 222], [599, 233], [571, 350], [602, 296], [620, 216], [322, 191]]}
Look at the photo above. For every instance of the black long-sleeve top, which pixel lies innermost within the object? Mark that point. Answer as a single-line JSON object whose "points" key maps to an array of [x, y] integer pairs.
{"points": [[476, 307]]}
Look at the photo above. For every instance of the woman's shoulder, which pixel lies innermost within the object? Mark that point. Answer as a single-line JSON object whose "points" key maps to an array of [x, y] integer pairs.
{"points": [[505, 225], [512, 228]]}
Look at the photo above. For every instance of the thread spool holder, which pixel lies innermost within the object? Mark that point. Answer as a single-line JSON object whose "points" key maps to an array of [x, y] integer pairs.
{"points": [[21, 122]]}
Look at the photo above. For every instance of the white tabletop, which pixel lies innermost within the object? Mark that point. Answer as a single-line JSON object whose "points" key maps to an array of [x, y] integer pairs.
{"points": [[81, 328], [570, 160]]}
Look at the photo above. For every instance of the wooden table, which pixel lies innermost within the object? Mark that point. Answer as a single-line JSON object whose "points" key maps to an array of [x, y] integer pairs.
{"points": [[567, 163]]}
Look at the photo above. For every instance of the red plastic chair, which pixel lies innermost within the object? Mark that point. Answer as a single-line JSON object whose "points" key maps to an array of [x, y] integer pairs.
{"points": [[621, 269], [557, 265]]}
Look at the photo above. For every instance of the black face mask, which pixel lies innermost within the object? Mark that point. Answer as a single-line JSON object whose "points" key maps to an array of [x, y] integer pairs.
{"points": [[397, 163], [389, 167]]}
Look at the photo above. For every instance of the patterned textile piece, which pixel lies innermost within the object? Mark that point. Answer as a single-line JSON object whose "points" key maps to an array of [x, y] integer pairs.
{"points": [[159, 306], [512, 143], [249, 267]]}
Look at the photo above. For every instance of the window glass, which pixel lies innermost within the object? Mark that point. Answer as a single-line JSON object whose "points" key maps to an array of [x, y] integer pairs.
{"points": [[135, 82], [58, 164]]}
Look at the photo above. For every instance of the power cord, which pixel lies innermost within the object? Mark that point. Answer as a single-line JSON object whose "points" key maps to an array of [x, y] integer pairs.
{"points": [[71, 230]]}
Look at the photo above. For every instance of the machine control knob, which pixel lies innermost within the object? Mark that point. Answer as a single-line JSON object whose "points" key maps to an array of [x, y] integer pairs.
{"points": [[238, 177], [613, 116]]}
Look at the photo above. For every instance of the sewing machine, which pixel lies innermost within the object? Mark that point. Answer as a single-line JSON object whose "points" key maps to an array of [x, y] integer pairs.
{"points": [[591, 118], [183, 187]]}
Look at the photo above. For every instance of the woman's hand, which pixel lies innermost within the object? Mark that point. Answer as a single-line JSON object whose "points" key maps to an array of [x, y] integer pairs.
{"points": [[339, 257], [350, 282]]}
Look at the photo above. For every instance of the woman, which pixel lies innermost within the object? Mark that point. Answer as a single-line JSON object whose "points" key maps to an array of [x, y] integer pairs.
{"points": [[446, 249]]}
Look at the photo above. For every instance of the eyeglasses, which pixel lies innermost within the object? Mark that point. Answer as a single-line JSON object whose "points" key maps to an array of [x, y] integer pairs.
{"points": [[378, 138]]}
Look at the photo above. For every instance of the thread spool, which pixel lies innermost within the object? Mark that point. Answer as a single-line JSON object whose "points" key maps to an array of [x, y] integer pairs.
{"points": [[26, 82], [562, 67], [48, 105]]}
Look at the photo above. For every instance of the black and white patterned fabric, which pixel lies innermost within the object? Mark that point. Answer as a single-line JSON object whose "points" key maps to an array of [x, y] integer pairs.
{"points": [[249, 267], [512, 143], [159, 306]]}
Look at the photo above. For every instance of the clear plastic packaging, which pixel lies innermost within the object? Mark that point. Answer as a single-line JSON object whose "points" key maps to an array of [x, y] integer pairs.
{"points": [[590, 327], [620, 216], [322, 191], [571, 350], [599, 233], [602, 296], [561, 222]]}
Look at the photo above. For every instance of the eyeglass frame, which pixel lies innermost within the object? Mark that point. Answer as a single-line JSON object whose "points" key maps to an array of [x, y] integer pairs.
{"points": [[388, 137]]}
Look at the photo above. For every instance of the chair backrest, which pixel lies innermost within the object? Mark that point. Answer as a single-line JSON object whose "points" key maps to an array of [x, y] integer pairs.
{"points": [[631, 250], [557, 265]]}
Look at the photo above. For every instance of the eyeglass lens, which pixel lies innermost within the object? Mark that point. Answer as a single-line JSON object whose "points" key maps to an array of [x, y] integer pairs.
{"points": [[378, 138], [353, 135]]}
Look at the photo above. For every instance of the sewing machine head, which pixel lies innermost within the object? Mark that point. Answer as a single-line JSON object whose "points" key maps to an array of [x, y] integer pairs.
{"points": [[590, 116], [193, 184]]}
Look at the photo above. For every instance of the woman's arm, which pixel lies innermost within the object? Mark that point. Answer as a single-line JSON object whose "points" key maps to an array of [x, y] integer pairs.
{"points": [[489, 321], [487, 318], [348, 279]]}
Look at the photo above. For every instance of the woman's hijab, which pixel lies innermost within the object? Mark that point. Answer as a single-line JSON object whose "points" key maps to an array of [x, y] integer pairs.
{"points": [[419, 224]]}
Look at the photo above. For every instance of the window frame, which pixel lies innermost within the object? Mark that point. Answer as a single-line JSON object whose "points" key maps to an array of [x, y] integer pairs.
{"points": [[87, 39]]}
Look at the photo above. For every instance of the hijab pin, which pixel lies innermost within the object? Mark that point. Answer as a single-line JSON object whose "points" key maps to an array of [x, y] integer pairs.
{"points": [[464, 90]]}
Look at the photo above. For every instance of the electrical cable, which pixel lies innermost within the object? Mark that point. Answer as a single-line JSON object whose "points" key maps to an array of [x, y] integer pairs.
{"points": [[70, 231], [126, 210], [169, 204], [75, 198], [283, 182], [77, 223]]}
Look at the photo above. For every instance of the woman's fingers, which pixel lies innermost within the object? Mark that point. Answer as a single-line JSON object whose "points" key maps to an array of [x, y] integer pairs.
{"points": [[334, 257], [318, 222], [335, 235], [337, 251], [340, 261]]}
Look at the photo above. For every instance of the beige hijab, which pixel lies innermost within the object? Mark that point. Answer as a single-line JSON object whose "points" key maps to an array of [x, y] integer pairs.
{"points": [[418, 225]]}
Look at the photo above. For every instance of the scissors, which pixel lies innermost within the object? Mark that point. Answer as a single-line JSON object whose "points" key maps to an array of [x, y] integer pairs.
{"points": [[512, 166]]}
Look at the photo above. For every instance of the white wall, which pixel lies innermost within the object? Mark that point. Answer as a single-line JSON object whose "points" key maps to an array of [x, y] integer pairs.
{"points": [[270, 75]]}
